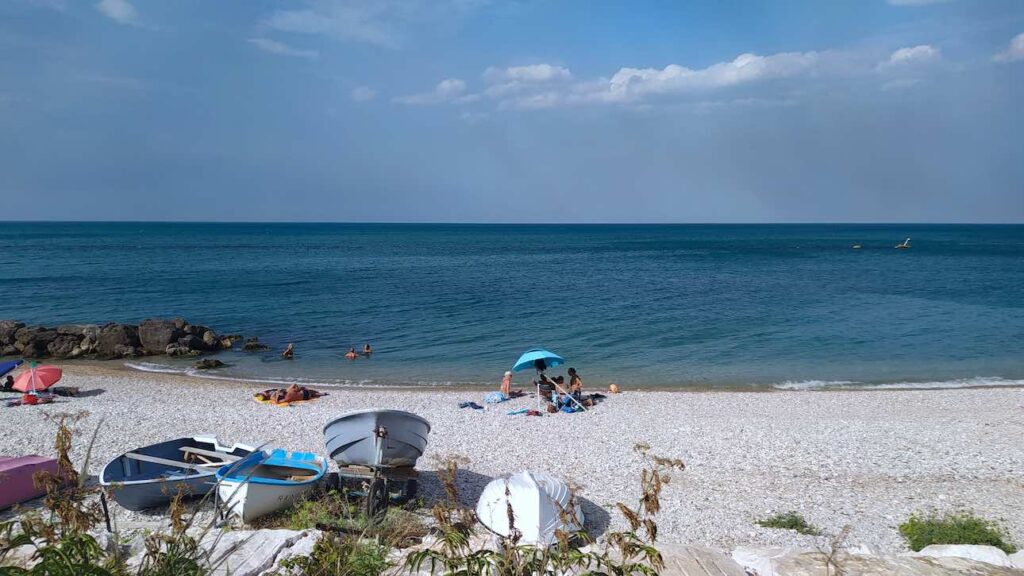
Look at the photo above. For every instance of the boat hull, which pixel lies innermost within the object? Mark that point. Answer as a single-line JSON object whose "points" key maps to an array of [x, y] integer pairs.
{"points": [[138, 485], [540, 506], [17, 475], [249, 501], [351, 441], [264, 483]]}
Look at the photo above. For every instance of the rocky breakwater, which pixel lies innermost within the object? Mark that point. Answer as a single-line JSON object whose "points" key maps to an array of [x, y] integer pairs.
{"points": [[156, 336]]}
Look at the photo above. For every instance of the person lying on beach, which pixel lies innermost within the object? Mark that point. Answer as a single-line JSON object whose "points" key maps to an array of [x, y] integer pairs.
{"points": [[289, 352], [367, 350], [293, 393], [351, 354]]}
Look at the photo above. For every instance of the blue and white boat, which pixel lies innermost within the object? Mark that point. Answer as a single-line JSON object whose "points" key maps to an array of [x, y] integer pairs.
{"points": [[266, 482], [151, 475]]}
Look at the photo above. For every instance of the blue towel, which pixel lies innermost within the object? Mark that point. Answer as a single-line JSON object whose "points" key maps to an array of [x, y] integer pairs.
{"points": [[495, 398]]}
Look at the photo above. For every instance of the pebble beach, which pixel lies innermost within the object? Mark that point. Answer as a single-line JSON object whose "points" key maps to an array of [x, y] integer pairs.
{"points": [[867, 459]]}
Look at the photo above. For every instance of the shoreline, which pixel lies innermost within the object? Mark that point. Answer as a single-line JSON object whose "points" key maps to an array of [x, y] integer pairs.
{"points": [[123, 366], [869, 459]]}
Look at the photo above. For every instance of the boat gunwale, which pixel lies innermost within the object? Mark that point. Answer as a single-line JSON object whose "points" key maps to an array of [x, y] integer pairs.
{"points": [[377, 410]]}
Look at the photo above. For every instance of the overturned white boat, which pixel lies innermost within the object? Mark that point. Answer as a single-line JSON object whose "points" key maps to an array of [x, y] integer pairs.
{"points": [[540, 504]]}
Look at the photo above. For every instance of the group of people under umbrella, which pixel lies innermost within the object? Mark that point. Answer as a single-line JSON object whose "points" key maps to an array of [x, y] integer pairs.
{"points": [[553, 393], [32, 383]]}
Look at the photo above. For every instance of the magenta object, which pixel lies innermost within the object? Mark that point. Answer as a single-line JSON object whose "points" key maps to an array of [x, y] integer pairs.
{"points": [[16, 478]]}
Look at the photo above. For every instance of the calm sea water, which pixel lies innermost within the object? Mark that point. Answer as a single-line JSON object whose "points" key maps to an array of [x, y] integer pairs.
{"points": [[738, 305]]}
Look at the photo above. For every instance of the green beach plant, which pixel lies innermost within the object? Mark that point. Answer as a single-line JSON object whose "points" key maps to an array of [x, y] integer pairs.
{"points": [[954, 528], [789, 521], [59, 538]]}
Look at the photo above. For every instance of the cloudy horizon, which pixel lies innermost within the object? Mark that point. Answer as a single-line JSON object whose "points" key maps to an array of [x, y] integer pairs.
{"points": [[488, 111]]}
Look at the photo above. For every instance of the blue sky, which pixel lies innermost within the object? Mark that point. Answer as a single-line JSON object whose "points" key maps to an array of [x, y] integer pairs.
{"points": [[528, 111]]}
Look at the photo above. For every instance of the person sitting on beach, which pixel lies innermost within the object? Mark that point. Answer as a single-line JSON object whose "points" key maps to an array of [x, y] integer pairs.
{"points": [[367, 350], [506, 385], [351, 354], [8, 384], [546, 388], [289, 352]]}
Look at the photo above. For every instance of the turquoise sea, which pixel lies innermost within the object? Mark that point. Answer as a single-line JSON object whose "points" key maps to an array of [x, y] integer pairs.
{"points": [[652, 305]]}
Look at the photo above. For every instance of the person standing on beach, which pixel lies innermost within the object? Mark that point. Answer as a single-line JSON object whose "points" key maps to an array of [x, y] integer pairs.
{"points": [[8, 384], [289, 352]]}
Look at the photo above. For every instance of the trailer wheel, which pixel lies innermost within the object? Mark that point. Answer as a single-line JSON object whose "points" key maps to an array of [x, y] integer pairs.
{"points": [[377, 499]]}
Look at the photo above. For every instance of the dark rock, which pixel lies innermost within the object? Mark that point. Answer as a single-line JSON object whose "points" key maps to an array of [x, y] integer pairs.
{"points": [[156, 333], [7, 330], [192, 341], [88, 344], [34, 349], [208, 364], [8, 350], [35, 334], [179, 350], [63, 346], [211, 340], [123, 351], [32, 341], [80, 330], [254, 345], [118, 341]]}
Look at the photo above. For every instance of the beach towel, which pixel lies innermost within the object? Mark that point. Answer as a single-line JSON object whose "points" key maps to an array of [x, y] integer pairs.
{"points": [[495, 398], [267, 397], [520, 411]]}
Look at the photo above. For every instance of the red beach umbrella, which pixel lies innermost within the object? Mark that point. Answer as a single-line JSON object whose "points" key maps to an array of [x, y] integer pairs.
{"points": [[37, 379]]}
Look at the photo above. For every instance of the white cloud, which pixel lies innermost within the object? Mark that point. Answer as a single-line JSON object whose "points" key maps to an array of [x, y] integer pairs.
{"points": [[275, 47], [506, 82], [363, 94], [120, 11], [529, 73], [914, 55], [447, 90], [1014, 52], [630, 84]]}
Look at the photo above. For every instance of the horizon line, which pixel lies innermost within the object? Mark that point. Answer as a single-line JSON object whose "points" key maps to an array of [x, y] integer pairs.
{"points": [[509, 223]]}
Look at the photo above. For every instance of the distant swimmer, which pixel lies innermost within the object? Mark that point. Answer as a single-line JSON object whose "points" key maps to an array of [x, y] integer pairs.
{"points": [[367, 350], [351, 354], [289, 352]]}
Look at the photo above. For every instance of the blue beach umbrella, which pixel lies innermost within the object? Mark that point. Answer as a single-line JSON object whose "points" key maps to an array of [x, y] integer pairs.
{"points": [[527, 360], [6, 367]]}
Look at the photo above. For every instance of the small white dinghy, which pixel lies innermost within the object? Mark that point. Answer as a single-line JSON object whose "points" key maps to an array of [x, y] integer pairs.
{"points": [[266, 482], [541, 505]]}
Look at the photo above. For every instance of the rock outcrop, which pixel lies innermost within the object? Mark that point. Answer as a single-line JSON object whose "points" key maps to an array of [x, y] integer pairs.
{"points": [[153, 336]]}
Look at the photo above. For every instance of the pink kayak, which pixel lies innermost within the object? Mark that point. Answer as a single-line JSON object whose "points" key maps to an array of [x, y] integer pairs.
{"points": [[16, 478]]}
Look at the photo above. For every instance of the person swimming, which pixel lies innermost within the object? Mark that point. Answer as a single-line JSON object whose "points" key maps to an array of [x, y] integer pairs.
{"points": [[289, 351], [351, 354], [367, 350]]}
